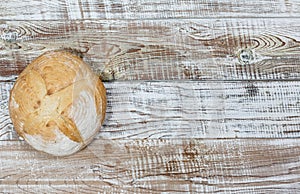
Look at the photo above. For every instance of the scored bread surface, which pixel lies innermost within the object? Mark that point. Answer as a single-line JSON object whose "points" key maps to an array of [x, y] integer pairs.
{"points": [[57, 103]]}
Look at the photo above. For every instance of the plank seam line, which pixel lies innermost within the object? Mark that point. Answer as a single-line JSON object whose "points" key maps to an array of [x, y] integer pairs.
{"points": [[148, 19]]}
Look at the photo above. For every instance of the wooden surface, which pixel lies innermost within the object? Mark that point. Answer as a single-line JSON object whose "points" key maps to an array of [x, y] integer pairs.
{"points": [[215, 49], [203, 96]]}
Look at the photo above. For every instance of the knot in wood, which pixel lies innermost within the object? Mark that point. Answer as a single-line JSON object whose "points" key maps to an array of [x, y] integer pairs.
{"points": [[9, 36], [245, 56]]}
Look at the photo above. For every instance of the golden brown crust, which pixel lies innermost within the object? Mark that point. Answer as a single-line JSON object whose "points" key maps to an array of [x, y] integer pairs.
{"points": [[100, 99], [42, 97]]}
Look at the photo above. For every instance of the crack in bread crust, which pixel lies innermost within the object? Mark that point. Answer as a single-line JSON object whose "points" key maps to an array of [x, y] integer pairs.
{"points": [[42, 98]]}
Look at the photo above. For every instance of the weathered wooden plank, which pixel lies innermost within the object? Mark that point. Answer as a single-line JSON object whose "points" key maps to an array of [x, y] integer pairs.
{"points": [[192, 109], [145, 9], [156, 165], [203, 49]]}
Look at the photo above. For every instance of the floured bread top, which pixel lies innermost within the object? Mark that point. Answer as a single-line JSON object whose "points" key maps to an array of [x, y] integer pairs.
{"points": [[57, 103]]}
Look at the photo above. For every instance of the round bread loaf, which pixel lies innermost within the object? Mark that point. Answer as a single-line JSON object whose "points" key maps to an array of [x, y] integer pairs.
{"points": [[57, 103]]}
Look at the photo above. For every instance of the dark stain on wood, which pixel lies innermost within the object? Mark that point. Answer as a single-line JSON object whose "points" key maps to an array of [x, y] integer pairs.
{"points": [[252, 90]]}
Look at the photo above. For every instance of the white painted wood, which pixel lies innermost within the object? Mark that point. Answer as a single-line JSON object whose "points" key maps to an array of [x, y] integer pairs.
{"points": [[155, 166], [201, 49], [189, 109], [145, 9], [234, 131]]}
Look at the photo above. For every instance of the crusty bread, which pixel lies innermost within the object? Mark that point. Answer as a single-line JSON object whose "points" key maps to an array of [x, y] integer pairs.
{"points": [[57, 103]]}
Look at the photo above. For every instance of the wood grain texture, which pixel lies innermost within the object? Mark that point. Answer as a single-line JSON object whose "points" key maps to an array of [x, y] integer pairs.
{"points": [[156, 166], [208, 49], [145, 9], [190, 109], [206, 97]]}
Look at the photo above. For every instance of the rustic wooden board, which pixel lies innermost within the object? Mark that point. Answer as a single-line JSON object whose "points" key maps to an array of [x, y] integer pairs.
{"points": [[190, 109], [206, 97], [156, 165], [205, 49], [145, 9]]}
